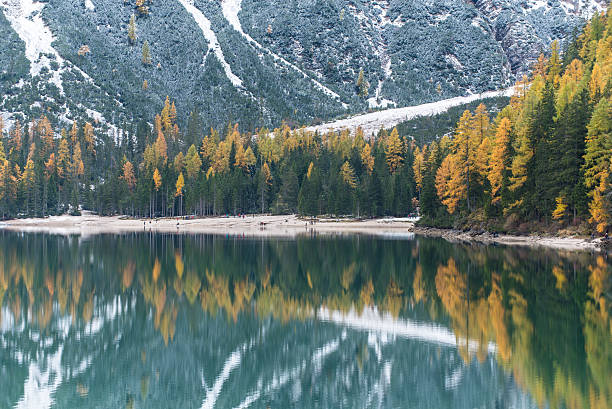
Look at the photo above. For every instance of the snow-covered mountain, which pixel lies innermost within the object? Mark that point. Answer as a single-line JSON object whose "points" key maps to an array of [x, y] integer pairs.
{"points": [[259, 62]]}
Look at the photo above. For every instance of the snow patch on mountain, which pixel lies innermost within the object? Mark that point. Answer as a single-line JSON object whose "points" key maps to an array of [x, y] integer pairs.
{"points": [[25, 18], [231, 8], [584, 8], [213, 42], [374, 102], [372, 122], [89, 5]]}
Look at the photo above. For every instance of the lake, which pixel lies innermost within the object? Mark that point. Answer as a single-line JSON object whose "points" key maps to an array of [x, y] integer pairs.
{"points": [[199, 321]]}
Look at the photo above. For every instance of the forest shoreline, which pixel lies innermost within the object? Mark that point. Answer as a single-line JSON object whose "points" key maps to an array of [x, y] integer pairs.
{"points": [[571, 243], [288, 226]]}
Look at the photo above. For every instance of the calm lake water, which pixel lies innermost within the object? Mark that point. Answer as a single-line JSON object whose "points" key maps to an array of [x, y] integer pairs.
{"points": [[198, 321]]}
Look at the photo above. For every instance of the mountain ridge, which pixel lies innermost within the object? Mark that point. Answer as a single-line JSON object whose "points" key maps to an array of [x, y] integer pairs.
{"points": [[259, 62]]}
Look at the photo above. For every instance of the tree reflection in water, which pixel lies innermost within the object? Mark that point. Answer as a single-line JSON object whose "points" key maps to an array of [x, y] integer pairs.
{"points": [[193, 309]]}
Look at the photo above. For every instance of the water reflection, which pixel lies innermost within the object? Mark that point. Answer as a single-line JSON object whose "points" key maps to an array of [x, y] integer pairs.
{"points": [[143, 320]]}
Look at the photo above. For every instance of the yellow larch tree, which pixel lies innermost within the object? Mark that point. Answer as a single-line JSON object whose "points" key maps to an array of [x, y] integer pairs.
{"points": [[367, 159], [128, 175], [348, 175], [450, 183], [88, 134], [157, 179], [394, 149], [499, 159]]}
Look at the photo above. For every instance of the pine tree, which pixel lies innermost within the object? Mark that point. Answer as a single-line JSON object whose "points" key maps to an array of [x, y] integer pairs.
{"points": [[15, 142], [193, 135], [146, 53], [48, 173], [554, 63], [132, 30], [28, 179], [288, 194], [362, 84], [539, 193], [265, 182], [568, 144]]}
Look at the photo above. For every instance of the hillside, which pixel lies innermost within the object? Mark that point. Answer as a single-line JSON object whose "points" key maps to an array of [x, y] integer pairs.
{"points": [[259, 62]]}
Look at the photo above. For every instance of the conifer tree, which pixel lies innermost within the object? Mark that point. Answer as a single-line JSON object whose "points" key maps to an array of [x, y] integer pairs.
{"points": [[554, 63], [128, 175], [462, 165], [193, 163], [180, 184], [450, 183], [142, 7], [367, 159], [500, 161], [265, 181], [132, 30], [146, 53], [394, 150], [597, 164], [362, 84]]}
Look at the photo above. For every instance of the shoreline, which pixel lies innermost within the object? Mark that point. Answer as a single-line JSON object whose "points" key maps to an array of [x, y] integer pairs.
{"points": [[289, 226], [533, 240]]}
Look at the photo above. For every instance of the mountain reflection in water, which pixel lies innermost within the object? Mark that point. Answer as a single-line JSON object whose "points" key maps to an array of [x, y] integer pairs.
{"points": [[199, 321]]}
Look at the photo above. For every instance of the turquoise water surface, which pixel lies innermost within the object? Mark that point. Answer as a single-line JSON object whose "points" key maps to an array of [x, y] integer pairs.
{"points": [[200, 321]]}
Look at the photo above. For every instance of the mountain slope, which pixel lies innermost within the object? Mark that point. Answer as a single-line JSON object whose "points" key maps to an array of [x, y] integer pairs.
{"points": [[259, 62]]}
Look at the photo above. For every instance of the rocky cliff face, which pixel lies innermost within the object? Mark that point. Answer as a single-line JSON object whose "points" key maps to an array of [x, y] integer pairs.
{"points": [[525, 28], [261, 61]]}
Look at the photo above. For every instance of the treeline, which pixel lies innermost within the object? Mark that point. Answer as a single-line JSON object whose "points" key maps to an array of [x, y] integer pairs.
{"points": [[544, 161], [163, 171]]}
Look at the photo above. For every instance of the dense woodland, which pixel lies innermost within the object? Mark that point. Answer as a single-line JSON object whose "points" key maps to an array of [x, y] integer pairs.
{"points": [[544, 158]]}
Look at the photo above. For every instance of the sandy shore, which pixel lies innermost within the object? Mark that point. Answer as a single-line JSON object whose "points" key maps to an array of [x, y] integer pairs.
{"points": [[281, 226], [268, 226]]}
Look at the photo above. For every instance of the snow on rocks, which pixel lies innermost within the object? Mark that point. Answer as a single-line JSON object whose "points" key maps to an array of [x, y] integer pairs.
{"points": [[584, 8], [231, 8], [374, 102], [376, 24], [89, 5], [25, 18], [213, 42], [372, 122]]}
